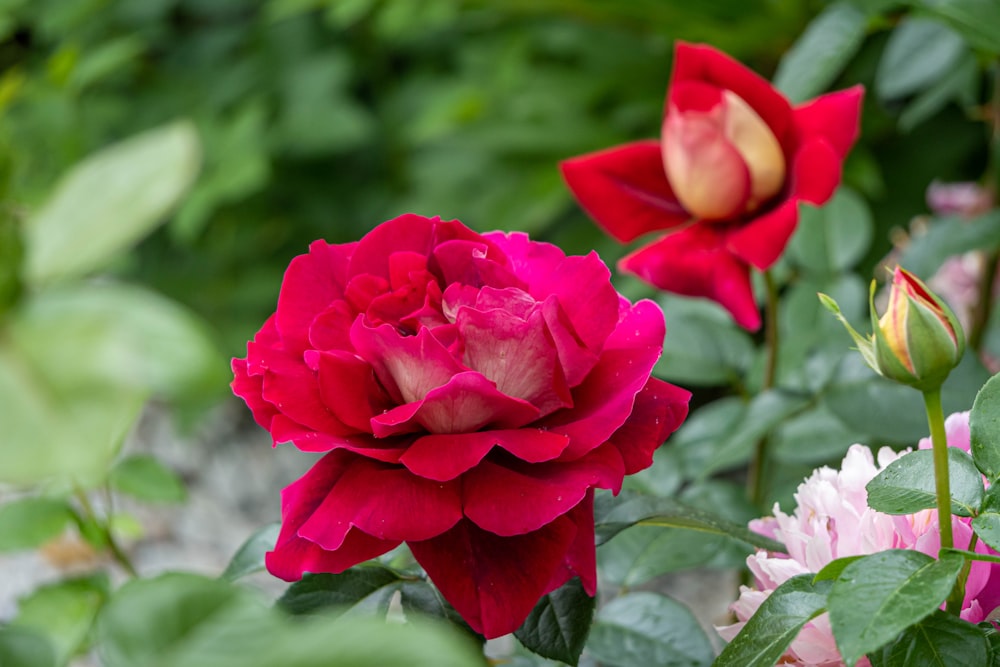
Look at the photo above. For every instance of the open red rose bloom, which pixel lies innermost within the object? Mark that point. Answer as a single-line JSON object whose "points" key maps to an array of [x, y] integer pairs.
{"points": [[472, 391], [724, 180]]}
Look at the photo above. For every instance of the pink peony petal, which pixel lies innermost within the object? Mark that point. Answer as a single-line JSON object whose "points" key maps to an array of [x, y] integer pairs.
{"points": [[492, 581], [700, 63], [834, 117], [761, 240], [311, 283], [658, 411], [625, 189], [407, 508], [445, 457], [695, 262], [514, 498]]}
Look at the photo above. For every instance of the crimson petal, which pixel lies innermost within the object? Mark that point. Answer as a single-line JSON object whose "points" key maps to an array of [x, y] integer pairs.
{"points": [[444, 457], [815, 172], [761, 240], [658, 411], [834, 116], [625, 189], [312, 282]]}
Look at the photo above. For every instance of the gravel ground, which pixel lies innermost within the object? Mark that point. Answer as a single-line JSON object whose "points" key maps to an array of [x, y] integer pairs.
{"points": [[234, 478]]}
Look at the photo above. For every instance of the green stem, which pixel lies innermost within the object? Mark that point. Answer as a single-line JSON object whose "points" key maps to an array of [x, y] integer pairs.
{"points": [[755, 476], [939, 442], [116, 551]]}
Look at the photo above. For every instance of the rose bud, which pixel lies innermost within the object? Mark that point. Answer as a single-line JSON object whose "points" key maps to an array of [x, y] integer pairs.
{"points": [[918, 339]]}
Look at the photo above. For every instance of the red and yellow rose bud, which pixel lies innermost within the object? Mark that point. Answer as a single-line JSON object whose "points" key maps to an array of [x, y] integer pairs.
{"points": [[918, 340], [722, 161]]}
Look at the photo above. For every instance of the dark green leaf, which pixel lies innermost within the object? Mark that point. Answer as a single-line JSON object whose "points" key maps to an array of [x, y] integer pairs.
{"points": [[919, 52], [613, 515], [558, 626], [821, 52], [643, 629], [110, 201], [366, 588], [423, 598], [25, 647], [832, 239], [946, 237], [961, 84], [976, 20], [987, 524], [833, 569], [984, 429], [940, 640], [877, 597], [30, 522], [769, 632], [907, 486], [249, 558], [144, 477], [640, 553]]}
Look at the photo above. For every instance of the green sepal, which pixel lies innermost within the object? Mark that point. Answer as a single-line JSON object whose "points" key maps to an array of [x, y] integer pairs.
{"points": [[865, 345]]}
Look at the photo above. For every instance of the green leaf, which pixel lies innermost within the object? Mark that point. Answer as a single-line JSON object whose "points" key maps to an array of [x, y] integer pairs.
{"points": [[906, 485], [813, 437], [987, 524], [612, 515], [365, 588], [110, 201], [976, 20], [643, 629], [946, 237], [30, 522], [696, 439], [961, 84], [919, 52], [249, 558], [821, 52], [834, 238], [940, 640], [832, 570], [704, 347], [641, 553], [144, 477], [769, 632], [421, 597], [25, 647], [877, 597], [64, 611], [558, 626], [984, 429]]}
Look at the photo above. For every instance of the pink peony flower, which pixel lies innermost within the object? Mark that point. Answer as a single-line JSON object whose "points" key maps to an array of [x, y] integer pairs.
{"points": [[723, 183], [832, 520], [471, 390]]}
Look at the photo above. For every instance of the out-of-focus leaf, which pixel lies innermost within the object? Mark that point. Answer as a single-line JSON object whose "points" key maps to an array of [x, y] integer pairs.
{"points": [[920, 51], [961, 84], [642, 629], [249, 558], [946, 237], [25, 647], [975, 20], [30, 522], [821, 52], [831, 239], [558, 626], [64, 611], [815, 436], [145, 478], [109, 202], [365, 588]]}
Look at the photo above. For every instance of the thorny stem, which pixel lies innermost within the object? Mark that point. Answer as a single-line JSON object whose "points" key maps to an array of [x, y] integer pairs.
{"points": [[939, 442], [755, 476], [119, 554]]}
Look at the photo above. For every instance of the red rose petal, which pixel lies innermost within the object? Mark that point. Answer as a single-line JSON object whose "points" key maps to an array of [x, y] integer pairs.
{"points": [[581, 557], [248, 387], [815, 172], [761, 240], [387, 502], [834, 117], [695, 262], [348, 386], [576, 359], [658, 411], [311, 283], [444, 457], [492, 581], [387, 450], [515, 499], [625, 189]]}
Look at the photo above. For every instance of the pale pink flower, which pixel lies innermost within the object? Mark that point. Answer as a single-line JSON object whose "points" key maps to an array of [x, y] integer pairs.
{"points": [[832, 520]]}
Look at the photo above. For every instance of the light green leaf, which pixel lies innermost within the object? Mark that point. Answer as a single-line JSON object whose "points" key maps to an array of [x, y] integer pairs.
{"points": [[110, 201], [907, 485], [821, 52], [643, 629], [249, 558], [984, 429], [831, 239], [25, 647], [64, 611], [987, 524], [145, 478], [769, 632], [877, 597], [30, 522]]}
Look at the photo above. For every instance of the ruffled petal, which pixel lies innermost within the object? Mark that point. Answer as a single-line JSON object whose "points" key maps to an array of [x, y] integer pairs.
{"points": [[312, 282], [762, 240], [444, 457], [493, 581], [386, 502], [249, 388], [658, 411], [348, 387], [387, 450], [696, 262], [625, 189]]}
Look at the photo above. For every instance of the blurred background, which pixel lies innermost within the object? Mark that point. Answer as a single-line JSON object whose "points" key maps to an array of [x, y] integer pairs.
{"points": [[322, 118]]}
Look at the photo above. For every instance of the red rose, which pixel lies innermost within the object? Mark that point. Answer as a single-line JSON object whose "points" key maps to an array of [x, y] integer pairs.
{"points": [[733, 161], [471, 390]]}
